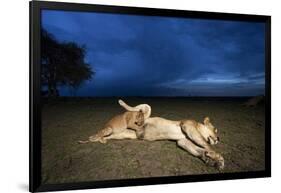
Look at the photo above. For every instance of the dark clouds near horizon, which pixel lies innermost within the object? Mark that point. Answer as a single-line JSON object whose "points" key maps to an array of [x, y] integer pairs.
{"points": [[161, 56]]}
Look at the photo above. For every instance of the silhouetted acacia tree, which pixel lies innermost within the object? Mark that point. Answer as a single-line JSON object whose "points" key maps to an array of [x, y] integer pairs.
{"points": [[62, 64]]}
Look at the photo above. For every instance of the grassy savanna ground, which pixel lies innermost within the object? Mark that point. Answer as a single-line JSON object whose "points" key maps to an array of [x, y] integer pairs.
{"points": [[64, 122]]}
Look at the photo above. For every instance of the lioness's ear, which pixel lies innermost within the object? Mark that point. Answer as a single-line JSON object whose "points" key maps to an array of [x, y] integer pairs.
{"points": [[206, 120]]}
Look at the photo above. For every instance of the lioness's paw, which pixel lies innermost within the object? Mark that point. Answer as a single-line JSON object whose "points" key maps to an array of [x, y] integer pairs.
{"points": [[208, 158], [214, 159], [220, 163]]}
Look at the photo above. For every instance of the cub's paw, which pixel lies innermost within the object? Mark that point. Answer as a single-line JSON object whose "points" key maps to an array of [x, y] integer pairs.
{"points": [[140, 133]]}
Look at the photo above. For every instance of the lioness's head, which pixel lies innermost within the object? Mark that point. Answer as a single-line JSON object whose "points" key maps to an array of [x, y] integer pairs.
{"points": [[209, 132]]}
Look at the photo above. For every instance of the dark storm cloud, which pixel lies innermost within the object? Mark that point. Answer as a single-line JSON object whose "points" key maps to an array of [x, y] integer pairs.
{"points": [[140, 55]]}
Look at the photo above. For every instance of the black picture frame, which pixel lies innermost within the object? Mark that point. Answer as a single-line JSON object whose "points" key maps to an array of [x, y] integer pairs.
{"points": [[35, 101]]}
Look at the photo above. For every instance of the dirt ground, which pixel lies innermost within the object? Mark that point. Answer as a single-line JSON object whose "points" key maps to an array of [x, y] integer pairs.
{"points": [[241, 130]]}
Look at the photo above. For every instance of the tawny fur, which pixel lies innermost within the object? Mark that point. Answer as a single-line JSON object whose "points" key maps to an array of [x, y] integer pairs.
{"points": [[145, 108], [118, 127], [190, 135]]}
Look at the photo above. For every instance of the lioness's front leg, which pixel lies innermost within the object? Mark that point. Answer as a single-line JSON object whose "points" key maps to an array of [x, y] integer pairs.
{"points": [[208, 156]]}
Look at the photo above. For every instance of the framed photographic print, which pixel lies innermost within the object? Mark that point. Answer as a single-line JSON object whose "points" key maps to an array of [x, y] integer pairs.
{"points": [[124, 96]]}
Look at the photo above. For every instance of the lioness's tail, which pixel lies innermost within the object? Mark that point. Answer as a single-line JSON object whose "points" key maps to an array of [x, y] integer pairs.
{"points": [[145, 108]]}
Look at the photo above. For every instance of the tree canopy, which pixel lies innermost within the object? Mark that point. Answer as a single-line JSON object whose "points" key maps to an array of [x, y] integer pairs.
{"points": [[62, 64]]}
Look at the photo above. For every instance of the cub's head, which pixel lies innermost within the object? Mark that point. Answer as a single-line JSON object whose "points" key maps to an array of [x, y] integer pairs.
{"points": [[139, 117], [209, 132]]}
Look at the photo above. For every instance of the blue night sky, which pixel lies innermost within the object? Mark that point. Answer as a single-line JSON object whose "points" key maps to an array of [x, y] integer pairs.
{"points": [[161, 56]]}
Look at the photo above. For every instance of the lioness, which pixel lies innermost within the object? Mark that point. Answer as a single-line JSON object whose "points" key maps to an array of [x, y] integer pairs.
{"points": [[117, 127], [190, 135]]}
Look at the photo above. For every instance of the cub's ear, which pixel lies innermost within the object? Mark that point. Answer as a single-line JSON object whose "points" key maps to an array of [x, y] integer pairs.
{"points": [[206, 120]]}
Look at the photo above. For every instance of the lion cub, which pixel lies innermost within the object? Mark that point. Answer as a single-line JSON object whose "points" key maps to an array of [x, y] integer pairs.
{"points": [[119, 127]]}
